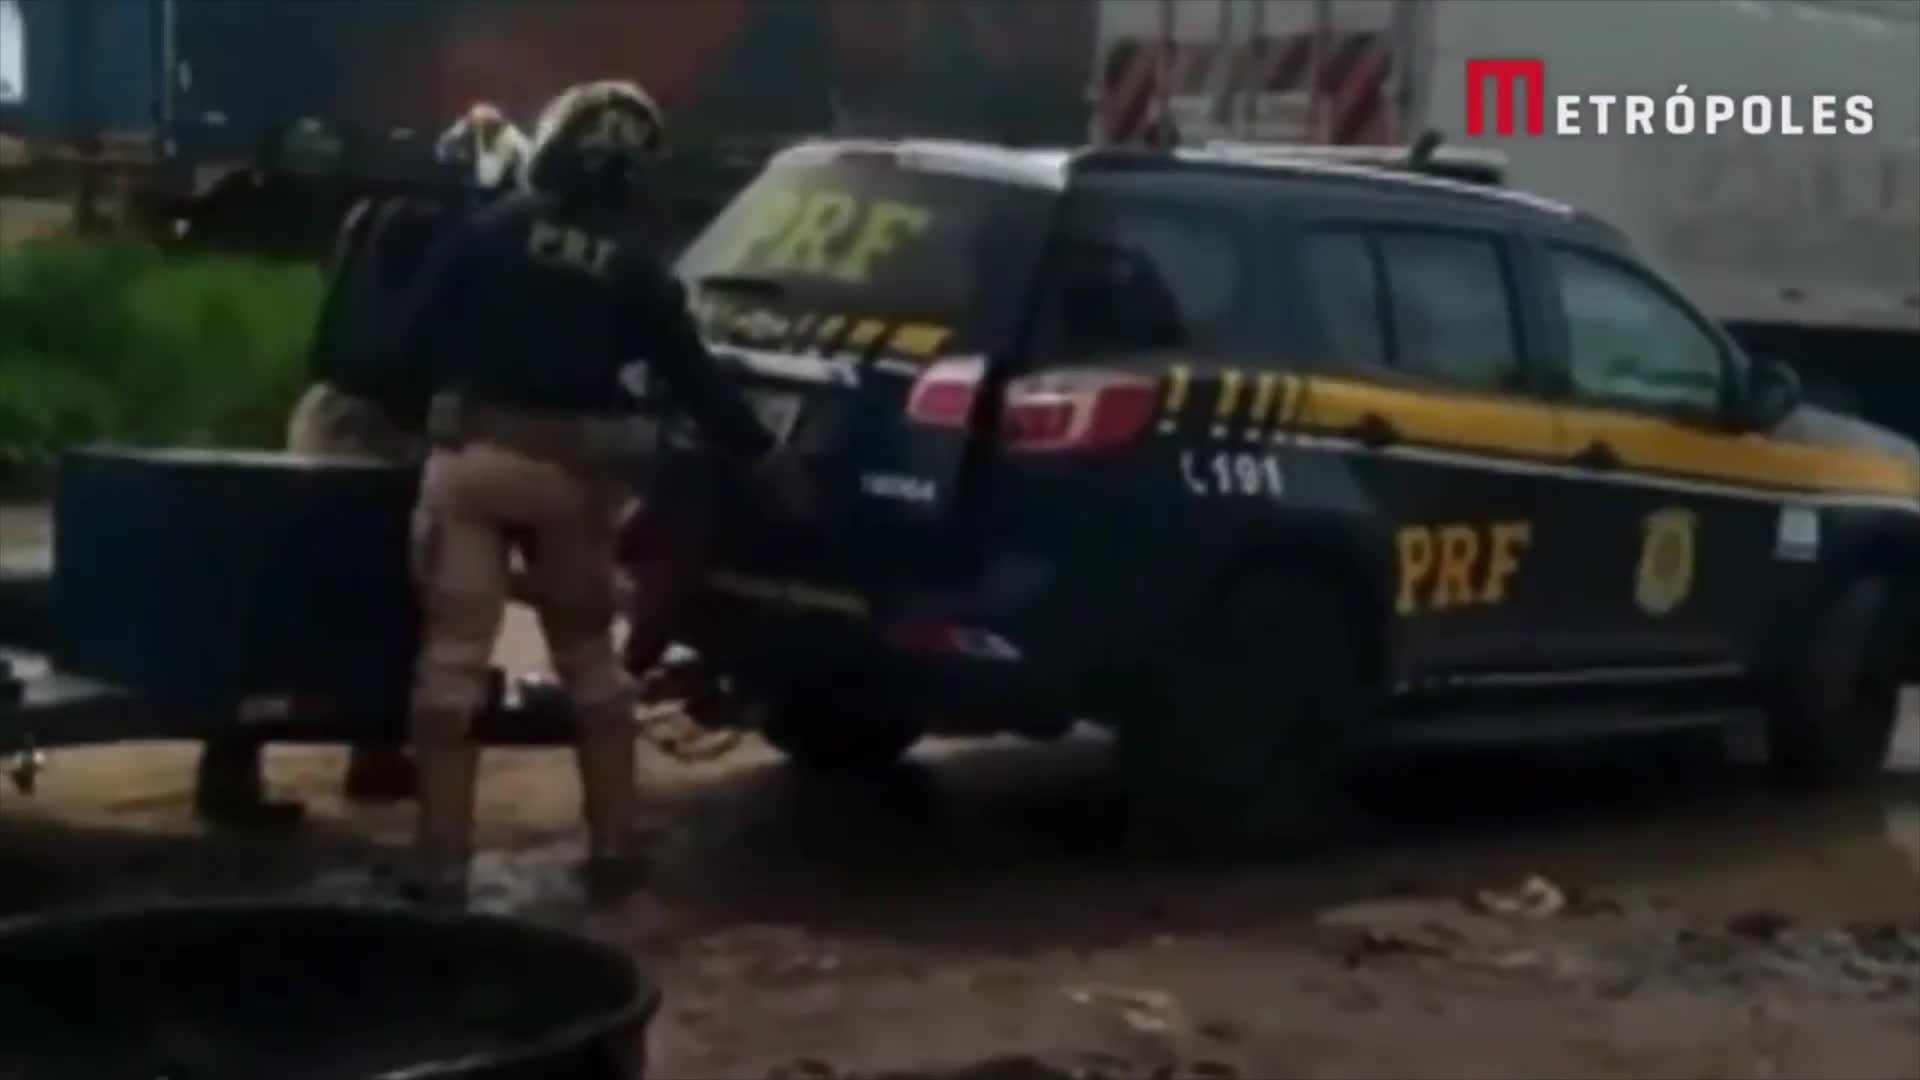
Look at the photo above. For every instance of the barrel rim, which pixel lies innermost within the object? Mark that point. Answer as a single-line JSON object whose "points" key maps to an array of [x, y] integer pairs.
{"points": [[635, 1014]]}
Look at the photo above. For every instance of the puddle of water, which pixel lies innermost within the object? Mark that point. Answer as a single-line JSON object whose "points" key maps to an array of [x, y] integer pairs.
{"points": [[523, 882], [1903, 831], [1719, 844], [1905, 755], [1002, 1068], [1827, 863]]}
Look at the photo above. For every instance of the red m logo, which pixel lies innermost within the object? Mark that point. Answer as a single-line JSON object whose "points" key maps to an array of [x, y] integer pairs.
{"points": [[1505, 72]]}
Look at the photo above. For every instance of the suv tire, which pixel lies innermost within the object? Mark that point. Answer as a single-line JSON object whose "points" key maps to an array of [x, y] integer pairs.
{"points": [[846, 728], [1248, 720], [1831, 721]]}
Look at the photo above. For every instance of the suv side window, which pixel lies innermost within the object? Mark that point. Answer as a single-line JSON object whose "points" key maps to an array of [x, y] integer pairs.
{"points": [[1453, 313], [1629, 344], [1134, 275], [1345, 279], [1427, 302]]}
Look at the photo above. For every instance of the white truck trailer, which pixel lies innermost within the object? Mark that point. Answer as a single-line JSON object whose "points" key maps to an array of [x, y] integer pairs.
{"points": [[1808, 245]]}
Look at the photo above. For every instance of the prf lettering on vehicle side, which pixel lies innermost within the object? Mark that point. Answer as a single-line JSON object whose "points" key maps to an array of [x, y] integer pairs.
{"points": [[1452, 566], [825, 233], [570, 248]]}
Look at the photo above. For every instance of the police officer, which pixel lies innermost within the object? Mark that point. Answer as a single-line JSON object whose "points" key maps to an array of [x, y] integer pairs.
{"points": [[486, 145], [527, 316], [360, 406]]}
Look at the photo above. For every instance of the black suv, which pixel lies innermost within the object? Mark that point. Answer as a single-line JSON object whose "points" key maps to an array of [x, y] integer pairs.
{"points": [[1257, 458]]}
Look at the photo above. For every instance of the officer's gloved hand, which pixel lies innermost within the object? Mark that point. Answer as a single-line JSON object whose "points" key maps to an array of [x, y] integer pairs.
{"points": [[781, 479]]}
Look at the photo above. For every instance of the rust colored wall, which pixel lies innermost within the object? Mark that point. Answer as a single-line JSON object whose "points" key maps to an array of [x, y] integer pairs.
{"points": [[990, 68]]}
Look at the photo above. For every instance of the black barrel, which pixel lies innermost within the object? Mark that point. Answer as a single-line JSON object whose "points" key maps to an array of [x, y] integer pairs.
{"points": [[282, 991]]}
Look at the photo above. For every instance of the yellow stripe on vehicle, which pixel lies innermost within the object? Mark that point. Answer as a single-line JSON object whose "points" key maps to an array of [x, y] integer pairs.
{"points": [[1648, 444], [1179, 376], [1552, 434], [1644, 444], [866, 332], [1467, 422], [761, 325], [1231, 380], [920, 339], [1263, 392]]}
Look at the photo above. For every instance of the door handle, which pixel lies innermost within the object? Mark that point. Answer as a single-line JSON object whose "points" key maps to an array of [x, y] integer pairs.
{"points": [[1375, 431], [1597, 455]]}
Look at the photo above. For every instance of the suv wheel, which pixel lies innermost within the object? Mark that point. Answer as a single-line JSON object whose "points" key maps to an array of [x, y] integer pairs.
{"points": [[1249, 718], [848, 727], [1831, 721]]}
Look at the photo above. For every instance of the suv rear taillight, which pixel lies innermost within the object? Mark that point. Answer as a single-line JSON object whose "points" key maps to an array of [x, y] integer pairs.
{"points": [[1066, 410], [943, 395]]}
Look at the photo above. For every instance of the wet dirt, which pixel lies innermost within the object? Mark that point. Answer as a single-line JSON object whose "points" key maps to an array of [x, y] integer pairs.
{"points": [[1603, 913], [982, 909]]}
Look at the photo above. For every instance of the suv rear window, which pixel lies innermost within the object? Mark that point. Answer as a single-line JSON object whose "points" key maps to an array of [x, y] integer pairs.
{"points": [[857, 236], [1138, 274]]}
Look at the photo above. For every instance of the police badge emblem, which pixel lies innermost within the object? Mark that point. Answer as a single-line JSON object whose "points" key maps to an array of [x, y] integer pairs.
{"points": [[1665, 577]]}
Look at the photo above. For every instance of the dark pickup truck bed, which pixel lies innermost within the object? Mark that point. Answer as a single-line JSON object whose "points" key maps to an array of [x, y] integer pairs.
{"points": [[182, 594], [40, 707]]}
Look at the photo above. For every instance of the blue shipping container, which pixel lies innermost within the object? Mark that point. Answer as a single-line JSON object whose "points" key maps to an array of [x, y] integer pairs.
{"points": [[13, 53], [78, 68]]}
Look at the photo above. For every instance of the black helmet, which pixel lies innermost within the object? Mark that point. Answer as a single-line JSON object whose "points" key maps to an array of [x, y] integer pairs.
{"points": [[595, 140]]}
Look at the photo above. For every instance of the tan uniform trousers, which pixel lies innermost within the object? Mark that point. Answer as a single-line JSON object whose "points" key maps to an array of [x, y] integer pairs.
{"points": [[516, 482], [478, 504]]}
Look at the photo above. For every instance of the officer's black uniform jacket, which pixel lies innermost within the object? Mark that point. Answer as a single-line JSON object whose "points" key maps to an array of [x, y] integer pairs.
{"points": [[381, 249], [529, 305]]}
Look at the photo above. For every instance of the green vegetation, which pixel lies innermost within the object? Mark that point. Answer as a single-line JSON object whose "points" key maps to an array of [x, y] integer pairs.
{"points": [[115, 341]]}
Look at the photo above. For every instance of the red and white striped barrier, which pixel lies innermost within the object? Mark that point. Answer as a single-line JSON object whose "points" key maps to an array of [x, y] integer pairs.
{"points": [[1348, 102]]}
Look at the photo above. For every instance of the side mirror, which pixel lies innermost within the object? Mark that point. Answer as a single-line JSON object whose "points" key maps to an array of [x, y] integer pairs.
{"points": [[1773, 392]]}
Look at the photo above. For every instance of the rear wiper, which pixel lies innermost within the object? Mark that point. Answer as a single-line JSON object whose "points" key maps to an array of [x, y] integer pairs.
{"points": [[759, 285]]}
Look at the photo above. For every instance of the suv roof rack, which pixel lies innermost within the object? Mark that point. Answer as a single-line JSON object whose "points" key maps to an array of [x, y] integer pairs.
{"points": [[1425, 156], [1034, 167]]}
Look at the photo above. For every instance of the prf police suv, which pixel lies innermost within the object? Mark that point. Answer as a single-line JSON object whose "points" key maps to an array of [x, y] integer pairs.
{"points": [[1259, 458]]}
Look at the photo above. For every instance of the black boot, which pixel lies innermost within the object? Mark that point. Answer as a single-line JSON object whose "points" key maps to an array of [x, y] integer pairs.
{"points": [[229, 789], [377, 773], [611, 879]]}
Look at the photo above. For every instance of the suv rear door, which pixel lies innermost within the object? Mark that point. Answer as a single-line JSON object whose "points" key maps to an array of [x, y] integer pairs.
{"points": [[1113, 463], [1440, 390], [836, 281]]}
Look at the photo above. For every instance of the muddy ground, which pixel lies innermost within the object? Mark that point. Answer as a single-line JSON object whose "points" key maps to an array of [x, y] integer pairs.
{"points": [[979, 910]]}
